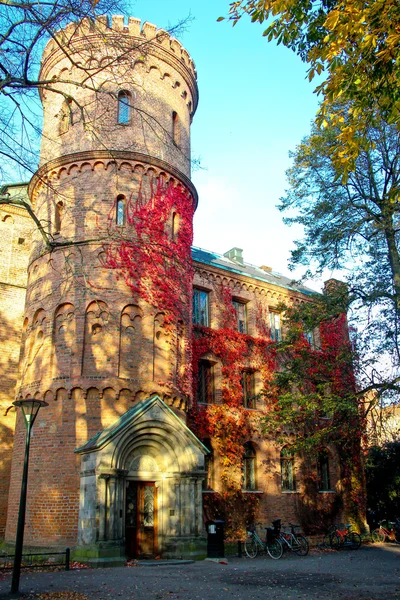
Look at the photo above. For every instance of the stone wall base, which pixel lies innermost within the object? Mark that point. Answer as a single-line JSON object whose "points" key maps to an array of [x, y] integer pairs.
{"points": [[102, 554], [194, 548]]}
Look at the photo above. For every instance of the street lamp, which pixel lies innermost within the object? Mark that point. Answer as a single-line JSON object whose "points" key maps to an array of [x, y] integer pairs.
{"points": [[30, 408]]}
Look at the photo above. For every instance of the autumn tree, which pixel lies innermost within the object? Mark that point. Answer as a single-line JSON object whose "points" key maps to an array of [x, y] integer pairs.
{"points": [[354, 45], [313, 407], [353, 226]]}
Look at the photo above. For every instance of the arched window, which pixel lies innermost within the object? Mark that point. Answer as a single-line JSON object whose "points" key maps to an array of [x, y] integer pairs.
{"points": [[120, 216], [65, 117], [208, 482], [124, 105], [287, 470], [176, 132], [324, 483], [249, 467], [174, 226], [58, 217]]}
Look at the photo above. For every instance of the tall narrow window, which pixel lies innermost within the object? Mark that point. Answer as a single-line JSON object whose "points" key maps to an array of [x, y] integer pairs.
{"points": [[275, 326], [120, 210], [241, 315], [200, 307], [176, 133], [249, 467], [287, 470], [58, 217], [248, 386], [324, 483], [205, 383], [65, 117], [309, 335], [124, 102], [174, 226]]}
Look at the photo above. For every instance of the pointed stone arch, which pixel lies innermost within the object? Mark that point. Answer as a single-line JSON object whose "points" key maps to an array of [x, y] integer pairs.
{"points": [[149, 443]]}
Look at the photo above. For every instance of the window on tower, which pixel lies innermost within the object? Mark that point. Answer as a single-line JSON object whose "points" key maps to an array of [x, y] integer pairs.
{"points": [[176, 133], [120, 211], [124, 106]]}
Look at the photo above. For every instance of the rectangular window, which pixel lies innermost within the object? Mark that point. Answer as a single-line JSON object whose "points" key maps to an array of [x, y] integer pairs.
{"points": [[249, 468], [200, 308], [275, 326], [241, 316], [287, 470], [324, 483], [309, 335], [248, 386], [205, 383]]}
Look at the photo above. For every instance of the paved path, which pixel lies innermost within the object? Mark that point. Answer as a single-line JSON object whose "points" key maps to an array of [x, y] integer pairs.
{"points": [[371, 573]]}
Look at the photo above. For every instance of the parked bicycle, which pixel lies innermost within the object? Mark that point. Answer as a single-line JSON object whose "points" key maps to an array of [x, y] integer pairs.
{"points": [[290, 541], [254, 544], [341, 536], [390, 533]]}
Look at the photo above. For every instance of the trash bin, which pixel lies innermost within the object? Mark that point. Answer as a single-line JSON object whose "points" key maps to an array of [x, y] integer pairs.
{"points": [[215, 539]]}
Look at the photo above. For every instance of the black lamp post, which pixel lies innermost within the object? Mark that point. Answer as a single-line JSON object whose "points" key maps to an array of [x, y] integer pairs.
{"points": [[30, 409]]}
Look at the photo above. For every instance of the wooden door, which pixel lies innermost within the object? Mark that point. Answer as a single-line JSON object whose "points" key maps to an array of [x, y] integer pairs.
{"points": [[141, 520]]}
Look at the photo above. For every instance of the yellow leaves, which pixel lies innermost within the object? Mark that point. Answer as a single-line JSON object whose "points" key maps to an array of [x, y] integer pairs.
{"points": [[332, 20], [369, 40]]}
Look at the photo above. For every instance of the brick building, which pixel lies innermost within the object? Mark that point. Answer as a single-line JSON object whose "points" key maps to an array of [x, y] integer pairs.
{"points": [[125, 331]]}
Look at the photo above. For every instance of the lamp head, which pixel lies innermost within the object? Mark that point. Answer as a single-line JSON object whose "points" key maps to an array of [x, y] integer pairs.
{"points": [[30, 408]]}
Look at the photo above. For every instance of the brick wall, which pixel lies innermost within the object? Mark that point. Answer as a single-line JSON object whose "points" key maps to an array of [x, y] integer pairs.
{"points": [[15, 233]]}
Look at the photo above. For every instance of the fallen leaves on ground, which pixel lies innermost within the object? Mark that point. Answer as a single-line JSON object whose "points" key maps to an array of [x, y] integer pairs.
{"points": [[56, 596]]}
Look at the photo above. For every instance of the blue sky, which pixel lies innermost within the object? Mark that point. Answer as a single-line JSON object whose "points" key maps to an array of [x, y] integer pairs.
{"points": [[255, 106]]}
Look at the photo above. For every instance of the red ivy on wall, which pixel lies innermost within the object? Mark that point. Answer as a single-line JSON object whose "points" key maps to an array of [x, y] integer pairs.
{"points": [[228, 423], [152, 253]]}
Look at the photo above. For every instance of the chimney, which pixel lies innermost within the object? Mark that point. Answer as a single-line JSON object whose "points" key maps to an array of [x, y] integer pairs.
{"points": [[235, 254]]}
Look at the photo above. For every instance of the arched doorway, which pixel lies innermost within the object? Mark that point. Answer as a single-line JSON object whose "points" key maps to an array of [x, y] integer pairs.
{"points": [[141, 485]]}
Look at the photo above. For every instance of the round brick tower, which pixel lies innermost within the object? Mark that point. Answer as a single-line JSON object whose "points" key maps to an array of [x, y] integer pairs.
{"points": [[107, 320]]}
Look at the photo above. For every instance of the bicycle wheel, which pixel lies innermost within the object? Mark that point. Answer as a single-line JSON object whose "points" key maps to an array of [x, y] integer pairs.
{"points": [[251, 547], [353, 540], [378, 536], [300, 546], [274, 549], [335, 541]]}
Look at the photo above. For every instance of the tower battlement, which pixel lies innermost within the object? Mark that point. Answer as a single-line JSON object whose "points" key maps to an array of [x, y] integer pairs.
{"points": [[141, 32]]}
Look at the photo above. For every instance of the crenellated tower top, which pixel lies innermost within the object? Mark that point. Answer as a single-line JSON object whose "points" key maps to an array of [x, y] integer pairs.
{"points": [[87, 67]]}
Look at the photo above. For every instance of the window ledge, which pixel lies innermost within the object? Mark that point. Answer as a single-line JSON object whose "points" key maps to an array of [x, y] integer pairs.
{"points": [[326, 492], [252, 491], [290, 492], [209, 492]]}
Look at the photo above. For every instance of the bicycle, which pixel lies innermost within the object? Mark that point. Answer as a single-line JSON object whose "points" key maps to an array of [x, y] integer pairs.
{"points": [[253, 544], [340, 536], [291, 541], [391, 533]]}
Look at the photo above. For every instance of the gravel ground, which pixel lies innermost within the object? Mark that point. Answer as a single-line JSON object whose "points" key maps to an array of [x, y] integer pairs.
{"points": [[370, 573]]}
